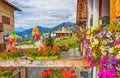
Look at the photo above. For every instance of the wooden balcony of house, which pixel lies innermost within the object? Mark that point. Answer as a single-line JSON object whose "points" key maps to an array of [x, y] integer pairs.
{"points": [[1, 27]]}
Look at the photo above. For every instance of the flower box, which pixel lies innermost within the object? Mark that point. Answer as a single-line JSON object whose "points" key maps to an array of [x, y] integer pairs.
{"points": [[43, 58]]}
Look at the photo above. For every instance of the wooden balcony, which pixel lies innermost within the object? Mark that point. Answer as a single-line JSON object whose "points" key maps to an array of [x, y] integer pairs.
{"points": [[1, 27]]}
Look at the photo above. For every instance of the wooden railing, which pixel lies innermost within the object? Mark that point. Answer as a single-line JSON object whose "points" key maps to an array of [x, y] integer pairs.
{"points": [[16, 75]]}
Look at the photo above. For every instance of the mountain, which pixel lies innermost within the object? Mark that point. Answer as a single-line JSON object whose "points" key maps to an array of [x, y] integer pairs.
{"points": [[65, 24], [29, 31], [19, 29], [45, 29]]}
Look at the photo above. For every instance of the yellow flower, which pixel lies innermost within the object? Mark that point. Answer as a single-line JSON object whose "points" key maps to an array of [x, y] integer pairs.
{"points": [[96, 41], [90, 47], [118, 56], [104, 53], [93, 45], [117, 46], [102, 48], [104, 43], [87, 37], [111, 50]]}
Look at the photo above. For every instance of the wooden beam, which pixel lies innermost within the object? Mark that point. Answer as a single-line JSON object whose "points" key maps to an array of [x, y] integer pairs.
{"points": [[100, 9]]}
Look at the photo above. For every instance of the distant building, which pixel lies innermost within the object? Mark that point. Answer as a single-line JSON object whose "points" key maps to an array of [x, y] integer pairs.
{"points": [[6, 20], [61, 33]]}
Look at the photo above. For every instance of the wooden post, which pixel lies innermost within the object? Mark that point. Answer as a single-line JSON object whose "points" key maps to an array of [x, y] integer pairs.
{"points": [[100, 11], [23, 72], [94, 72]]}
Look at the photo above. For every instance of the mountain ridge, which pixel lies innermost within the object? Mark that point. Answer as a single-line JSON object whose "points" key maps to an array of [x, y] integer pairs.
{"points": [[46, 29]]}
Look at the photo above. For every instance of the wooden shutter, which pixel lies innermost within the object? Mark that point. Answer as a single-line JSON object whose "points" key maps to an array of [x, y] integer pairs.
{"points": [[1, 27], [5, 20]]}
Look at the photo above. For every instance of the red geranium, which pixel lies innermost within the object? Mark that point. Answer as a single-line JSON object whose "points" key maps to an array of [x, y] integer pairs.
{"points": [[56, 47], [14, 48], [37, 49], [44, 53], [25, 51], [44, 73], [50, 71], [14, 68], [8, 69], [49, 47], [5, 51], [64, 72], [72, 71]]}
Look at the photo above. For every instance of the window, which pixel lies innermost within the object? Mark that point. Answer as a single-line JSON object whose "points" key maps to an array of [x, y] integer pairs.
{"points": [[5, 20]]}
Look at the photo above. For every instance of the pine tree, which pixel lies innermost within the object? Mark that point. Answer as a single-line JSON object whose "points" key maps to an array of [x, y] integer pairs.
{"points": [[49, 41]]}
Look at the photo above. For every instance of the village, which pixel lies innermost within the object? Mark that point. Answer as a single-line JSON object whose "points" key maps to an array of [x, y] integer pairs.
{"points": [[88, 48]]}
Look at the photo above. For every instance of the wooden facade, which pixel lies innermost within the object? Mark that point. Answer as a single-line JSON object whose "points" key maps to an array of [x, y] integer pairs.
{"points": [[58, 35], [1, 27], [114, 10], [6, 20], [81, 17]]}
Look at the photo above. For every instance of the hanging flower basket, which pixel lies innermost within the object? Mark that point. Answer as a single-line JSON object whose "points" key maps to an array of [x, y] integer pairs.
{"points": [[104, 53]]}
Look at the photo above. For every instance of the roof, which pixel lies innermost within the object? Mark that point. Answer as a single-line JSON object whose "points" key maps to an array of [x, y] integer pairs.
{"points": [[63, 32], [11, 5]]}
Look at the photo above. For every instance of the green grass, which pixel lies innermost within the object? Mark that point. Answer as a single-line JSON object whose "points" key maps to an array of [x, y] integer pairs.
{"points": [[26, 42], [68, 41]]}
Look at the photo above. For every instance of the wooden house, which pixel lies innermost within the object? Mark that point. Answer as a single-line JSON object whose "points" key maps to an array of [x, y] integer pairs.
{"points": [[6, 20]]}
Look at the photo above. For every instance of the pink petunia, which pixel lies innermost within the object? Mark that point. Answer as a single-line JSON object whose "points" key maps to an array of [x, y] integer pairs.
{"points": [[87, 41], [117, 42]]}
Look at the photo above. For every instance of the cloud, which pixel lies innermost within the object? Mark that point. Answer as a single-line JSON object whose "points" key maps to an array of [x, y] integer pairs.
{"points": [[44, 12]]}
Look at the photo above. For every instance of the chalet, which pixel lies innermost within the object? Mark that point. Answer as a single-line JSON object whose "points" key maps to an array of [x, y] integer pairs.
{"points": [[6, 20], [62, 33], [91, 12]]}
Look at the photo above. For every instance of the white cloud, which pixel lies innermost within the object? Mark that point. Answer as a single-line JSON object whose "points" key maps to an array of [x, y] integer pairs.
{"points": [[44, 12]]}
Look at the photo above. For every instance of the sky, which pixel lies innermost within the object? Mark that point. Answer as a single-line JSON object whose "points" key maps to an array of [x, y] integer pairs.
{"points": [[47, 13]]}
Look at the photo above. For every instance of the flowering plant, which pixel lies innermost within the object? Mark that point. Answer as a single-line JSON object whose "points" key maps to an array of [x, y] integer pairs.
{"points": [[58, 73], [7, 72], [104, 52]]}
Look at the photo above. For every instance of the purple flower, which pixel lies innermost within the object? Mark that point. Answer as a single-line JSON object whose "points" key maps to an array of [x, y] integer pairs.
{"points": [[87, 41], [118, 17], [90, 54], [107, 48], [118, 21], [108, 42], [118, 68], [101, 34], [108, 34], [113, 60], [110, 66]]}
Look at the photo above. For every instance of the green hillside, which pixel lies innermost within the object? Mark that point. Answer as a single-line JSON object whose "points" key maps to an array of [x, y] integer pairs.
{"points": [[70, 42]]}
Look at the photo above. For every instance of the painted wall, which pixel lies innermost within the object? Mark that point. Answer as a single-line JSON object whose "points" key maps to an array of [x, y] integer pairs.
{"points": [[90, 11], [106, 8], [95, 11], [8, 12]]}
